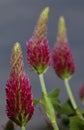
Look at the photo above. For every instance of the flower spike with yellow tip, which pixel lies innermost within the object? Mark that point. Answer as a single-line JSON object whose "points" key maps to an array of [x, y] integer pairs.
{"points": [[62, 58], [19, 97], [38, 52]]}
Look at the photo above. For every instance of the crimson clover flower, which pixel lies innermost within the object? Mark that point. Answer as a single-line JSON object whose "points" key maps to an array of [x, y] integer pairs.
{"points": [[38, 53], [19, 97], [62, 59]]}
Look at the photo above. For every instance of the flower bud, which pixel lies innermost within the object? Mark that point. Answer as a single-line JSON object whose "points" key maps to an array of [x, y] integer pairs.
{"points": [[38, 53], [62, 58], [19, 97]]}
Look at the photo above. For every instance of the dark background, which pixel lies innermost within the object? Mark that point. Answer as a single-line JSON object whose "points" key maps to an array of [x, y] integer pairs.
{"points": [[17, 21]]}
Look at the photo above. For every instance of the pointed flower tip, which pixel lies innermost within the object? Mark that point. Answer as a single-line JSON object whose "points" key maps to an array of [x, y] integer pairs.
{"points": [[61, 19], [61, 23], [41, 26], [17, 46], [17, 65], [46, 10], [44, 13], [61, 28]]}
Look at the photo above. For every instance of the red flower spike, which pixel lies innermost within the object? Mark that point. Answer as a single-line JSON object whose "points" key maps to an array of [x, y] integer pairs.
{"points": [[38, 53], [62, 58], [18, 90]]}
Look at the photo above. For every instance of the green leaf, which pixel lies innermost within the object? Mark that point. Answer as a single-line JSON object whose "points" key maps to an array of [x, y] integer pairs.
{"points": [[67, 109], [64, 108], [54, 98], [76, 123], [35, 101], [54, 93]]}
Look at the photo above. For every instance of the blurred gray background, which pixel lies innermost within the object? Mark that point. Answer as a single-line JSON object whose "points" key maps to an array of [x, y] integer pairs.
{"points": [[17, 21]]}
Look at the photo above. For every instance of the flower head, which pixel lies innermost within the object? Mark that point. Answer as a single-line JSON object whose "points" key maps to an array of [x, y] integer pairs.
{"points": [[18, 90], [62, 58], [38, 53]]}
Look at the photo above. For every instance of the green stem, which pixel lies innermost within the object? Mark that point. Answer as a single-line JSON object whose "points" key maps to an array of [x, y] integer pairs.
{"points": [[75, 107], [70, 94], [44, 91], [23, 128], [47, 104]]}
